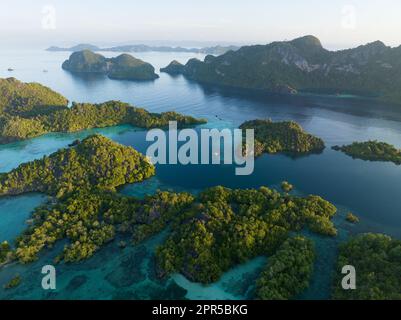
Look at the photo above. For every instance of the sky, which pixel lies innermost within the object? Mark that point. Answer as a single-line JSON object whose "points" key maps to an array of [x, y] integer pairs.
{"points": [[338, 24]]}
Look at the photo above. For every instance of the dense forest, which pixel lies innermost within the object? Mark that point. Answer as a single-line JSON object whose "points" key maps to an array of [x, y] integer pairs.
{"points": [[227, 227], [90, 219], [28, 99], [96, 162], [30, 110], [288, 271], [377, 261], [372, 151], [287, 137], [124, 66], [303, 65]]}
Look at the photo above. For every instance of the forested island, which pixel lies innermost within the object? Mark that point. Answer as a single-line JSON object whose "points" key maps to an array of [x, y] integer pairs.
{"points": [[372, 151], [303, 65], [29, 110], [122, 67], [288, 271], [226, 227], [96, 162], [215, 50], [286, 137]]}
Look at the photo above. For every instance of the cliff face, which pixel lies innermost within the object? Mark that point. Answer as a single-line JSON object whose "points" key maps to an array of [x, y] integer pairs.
{"points": [[124, 67], [304, 65], [128, 67]]}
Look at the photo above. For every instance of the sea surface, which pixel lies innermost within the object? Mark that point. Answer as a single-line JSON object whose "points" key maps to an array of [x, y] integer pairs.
{"points": [[371, 190]]}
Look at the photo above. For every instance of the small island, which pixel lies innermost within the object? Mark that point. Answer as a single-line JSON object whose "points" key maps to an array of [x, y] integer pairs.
{"points": [[372, 151], [13, 283], [351, 218], [174, 68], [96, 162], [288, 271], [286, 186], [29, 110], [282, 137], [123, 67]]}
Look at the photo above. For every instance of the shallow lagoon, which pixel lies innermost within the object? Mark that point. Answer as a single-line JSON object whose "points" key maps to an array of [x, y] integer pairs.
{"points": [[369, 189]]}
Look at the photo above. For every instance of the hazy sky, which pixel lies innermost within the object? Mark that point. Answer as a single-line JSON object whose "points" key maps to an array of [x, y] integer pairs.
{"points": [[337, 23]]}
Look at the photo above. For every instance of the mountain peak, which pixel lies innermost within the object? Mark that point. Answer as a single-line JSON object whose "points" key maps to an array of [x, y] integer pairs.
{"points": [[307, 42], [376, 44]]}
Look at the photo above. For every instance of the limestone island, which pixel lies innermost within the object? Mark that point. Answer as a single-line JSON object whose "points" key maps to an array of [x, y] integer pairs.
{"points": [[122, 67], [174, 68], [282, 137], [304, 65], [372, 151]]}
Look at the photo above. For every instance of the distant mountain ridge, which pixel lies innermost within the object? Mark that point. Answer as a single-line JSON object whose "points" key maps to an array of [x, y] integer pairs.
{"points": [[215, 50], [303, 64]]}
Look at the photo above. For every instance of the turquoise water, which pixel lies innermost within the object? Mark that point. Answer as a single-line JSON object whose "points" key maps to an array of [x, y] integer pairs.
{"points": [[14, 212], [369, 189]]}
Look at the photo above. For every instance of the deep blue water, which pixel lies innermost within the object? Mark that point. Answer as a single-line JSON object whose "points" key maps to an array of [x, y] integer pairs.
{"points": [[372, 190]]}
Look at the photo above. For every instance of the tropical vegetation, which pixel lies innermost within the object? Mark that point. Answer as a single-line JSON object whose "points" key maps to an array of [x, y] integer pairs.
{"points": [[286, 137], [96, 162], [377, 262], [123, 67], [30, 110], [372, 151], [288, 271], [289, 67], [227, 227]]}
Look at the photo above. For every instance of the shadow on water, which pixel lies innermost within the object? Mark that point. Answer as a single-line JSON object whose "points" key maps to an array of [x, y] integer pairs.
{"points": [[353, 105]]}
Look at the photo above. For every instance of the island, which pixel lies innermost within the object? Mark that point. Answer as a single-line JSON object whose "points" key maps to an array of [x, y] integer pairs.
{"points": [[351, 218], [209, 233], [226, 227], [96, 162], [123, 67], [372, 151], [215, 50], [284, 137], [377, 261], [29, 110], [288, 271], [304, 65], [13, 283], [173, 68]]}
